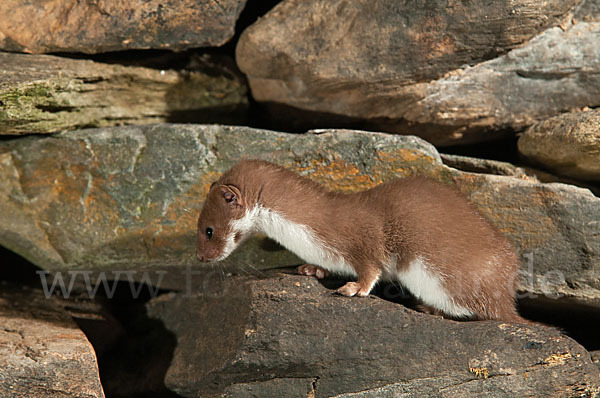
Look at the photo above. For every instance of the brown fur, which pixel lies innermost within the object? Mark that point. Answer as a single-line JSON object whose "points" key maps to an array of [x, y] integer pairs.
{"points": [[406, 218]]}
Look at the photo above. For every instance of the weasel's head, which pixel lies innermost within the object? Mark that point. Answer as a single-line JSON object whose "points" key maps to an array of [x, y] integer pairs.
{"points": [[219, 229]]}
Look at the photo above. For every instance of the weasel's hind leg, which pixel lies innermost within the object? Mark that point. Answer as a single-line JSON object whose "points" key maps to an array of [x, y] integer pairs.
{"points": [[363, 286]]}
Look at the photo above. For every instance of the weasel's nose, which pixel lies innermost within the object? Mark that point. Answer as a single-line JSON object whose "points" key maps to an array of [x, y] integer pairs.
{"points": [[199, 256]]}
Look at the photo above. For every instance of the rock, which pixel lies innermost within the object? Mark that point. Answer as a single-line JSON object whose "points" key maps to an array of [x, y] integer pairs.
{"points": [[488, 166], [596, 357], [588, 11], [48, 94], [450, 74], [42, 351], [115, 203], [555, 72], [568, 144], [126, 198], [290, 336], [384, 40], [41, 26], [537, 218]]}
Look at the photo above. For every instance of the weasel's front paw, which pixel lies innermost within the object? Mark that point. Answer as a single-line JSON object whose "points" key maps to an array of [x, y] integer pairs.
{"points": [[352, 289], [312, 270]]}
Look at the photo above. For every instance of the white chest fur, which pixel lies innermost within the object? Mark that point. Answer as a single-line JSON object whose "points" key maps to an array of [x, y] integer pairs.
{"points": [[297, 238]]}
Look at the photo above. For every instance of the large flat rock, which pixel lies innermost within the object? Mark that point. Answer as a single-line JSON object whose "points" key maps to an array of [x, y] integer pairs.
{"points": [[568, 144], [289, 336], [127, 198], [401, 43], [451, 73], [43, 353], [47, 94], [42, 26]]}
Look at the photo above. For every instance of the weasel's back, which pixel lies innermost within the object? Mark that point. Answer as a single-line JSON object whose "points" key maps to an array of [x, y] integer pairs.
{"points": [[435, 214]]}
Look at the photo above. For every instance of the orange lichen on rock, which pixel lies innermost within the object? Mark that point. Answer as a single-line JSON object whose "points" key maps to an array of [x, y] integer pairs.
{"points": [[337, 175]]}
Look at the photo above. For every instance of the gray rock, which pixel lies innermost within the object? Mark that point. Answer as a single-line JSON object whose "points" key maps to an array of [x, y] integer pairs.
{"points": [[488, 166], [128, 198], [555, 72], [377, 41], [568, 144], [588, 11], [289, 336], [44, 94], [124, 198], [42, 26], [596, 357], [446, 73], [42, 351]]}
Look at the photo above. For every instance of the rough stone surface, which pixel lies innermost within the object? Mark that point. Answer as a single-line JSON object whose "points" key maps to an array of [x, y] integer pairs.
{"points": [[450, 73], [128, 197], [487, 166], [290, 336], [568, 144], [42, 26], [42, 351], [47, 94], [555, 72], [386, 40], [596, 358], [588, 11]]}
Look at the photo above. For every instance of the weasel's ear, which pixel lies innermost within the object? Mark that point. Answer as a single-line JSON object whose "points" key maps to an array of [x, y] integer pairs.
{"points": [[232, 195]]}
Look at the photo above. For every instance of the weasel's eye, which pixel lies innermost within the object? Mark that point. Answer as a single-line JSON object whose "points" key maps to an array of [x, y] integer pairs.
{"points": [[209, 232]]}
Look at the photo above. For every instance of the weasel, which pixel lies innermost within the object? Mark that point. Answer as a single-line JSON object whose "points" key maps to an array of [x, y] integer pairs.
{"points": [[415, 231]]}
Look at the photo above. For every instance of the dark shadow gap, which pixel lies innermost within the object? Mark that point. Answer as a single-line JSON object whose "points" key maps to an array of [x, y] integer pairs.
{"points": [[18, 271], [137, 364], [578, 320], [233, 115], [133, 351], [499, 144], [504, 150]]}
